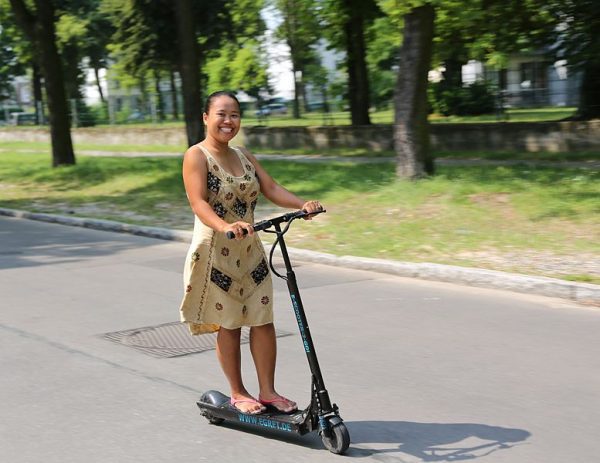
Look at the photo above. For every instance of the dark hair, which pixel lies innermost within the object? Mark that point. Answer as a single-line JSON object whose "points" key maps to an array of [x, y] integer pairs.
{"points": [[214, 95]]}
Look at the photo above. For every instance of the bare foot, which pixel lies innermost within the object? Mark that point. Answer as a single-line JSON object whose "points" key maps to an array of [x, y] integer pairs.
{"points": [[247, 404], [279, 402]]}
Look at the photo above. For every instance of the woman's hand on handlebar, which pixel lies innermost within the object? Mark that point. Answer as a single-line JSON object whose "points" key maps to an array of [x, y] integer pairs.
{"points": [[239, 230], [311, 206]]}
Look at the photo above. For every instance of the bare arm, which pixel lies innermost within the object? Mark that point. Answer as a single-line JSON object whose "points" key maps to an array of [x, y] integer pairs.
{"points": [[194, 179]]}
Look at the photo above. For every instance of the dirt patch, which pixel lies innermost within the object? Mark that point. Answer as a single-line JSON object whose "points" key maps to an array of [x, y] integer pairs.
{"points": [[537, 262]]}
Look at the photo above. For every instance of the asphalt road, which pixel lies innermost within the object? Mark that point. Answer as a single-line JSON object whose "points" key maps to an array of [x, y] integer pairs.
{"points": [[422, 371]]}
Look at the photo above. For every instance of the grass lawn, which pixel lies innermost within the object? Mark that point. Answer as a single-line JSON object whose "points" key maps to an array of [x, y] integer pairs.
{"points": [[542, 221], [44, 147], [385, 116]]}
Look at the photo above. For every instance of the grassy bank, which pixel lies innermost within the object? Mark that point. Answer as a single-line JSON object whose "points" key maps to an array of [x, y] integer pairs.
{"points": [[81, 148], [542, 221]]}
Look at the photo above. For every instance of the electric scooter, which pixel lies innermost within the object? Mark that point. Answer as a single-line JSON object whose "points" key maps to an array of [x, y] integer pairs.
{"points": [[320, 414]]}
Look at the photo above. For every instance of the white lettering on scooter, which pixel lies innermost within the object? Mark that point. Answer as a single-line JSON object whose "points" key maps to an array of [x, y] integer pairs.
{"points": [[300, 324], [264, 422]]}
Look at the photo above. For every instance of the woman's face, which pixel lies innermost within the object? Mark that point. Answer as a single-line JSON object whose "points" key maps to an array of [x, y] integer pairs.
{"points": [[223, 119]]}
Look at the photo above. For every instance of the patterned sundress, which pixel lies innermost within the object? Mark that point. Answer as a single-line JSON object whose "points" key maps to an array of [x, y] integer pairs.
{"points": [[227, 282]]}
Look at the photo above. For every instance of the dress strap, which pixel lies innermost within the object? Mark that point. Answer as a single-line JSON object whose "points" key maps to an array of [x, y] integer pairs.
{"points": [[241, 155], [204, 150]]}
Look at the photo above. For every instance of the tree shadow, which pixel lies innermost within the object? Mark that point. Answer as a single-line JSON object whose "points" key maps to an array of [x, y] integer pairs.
{"points": [[31, 243], [432, 441]]}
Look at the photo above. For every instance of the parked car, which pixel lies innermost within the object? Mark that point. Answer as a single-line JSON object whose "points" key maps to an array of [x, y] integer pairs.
{"points": [[273, 108]]}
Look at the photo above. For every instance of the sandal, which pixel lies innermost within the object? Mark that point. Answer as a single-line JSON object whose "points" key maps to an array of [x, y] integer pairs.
{"points": [[234, 402], [292, 407]]}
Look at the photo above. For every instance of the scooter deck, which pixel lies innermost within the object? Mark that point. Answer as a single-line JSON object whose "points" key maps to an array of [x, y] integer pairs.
{"points": [[215, 405]]}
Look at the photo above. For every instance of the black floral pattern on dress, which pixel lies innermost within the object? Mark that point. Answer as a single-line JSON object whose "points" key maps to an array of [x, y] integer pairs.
{"points": [[219, 306], [265, 300], [229, 196], [195, 256], [253, 194], [220, 279], [219, 209], [225, 251], [253, 205], [242, 187], [260, 272], [214, 183], [247, 177], [240, 207]]}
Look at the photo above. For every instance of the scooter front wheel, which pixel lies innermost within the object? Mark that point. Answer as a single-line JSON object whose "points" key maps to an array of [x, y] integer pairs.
{"points": [[339, 439]]}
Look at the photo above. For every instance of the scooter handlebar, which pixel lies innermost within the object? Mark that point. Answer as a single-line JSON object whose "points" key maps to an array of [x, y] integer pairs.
{"points": [[264, 224]]}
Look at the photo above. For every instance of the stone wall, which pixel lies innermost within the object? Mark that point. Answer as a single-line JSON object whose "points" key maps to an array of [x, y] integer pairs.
{"points": [[501, 136], [103, 136], [497, 136]]}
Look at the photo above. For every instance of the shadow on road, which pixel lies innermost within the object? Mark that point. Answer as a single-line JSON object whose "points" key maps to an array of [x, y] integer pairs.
{"points": [[432, 441], [26, 243]]}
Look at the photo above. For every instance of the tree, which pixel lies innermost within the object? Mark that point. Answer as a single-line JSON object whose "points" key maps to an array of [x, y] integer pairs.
{"points": [[411, 129], [578, 41], [240, 62], [383, 45], [10, 66], [189, 67], [300, 30], [38, 24], [348, 20]]}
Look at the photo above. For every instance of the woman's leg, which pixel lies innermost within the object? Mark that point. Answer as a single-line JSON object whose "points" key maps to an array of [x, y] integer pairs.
{"points": [[229, 355], [263, 346]]}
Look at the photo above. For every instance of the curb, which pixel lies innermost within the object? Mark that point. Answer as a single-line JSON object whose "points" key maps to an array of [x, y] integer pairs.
{"points": [[552, 287]]}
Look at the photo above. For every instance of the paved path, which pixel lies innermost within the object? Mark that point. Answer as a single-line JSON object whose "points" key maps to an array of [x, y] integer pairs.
{"points": [[422, 371]]}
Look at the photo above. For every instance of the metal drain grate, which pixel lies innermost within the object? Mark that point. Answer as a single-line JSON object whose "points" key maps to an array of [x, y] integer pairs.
{"points": [[171, 339]]}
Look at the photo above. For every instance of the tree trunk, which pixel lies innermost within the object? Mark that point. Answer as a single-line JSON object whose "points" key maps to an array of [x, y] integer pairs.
{"points": [[190, 71], [99, 85], [296, 104], [37, 95], [411, 129], [452, 74], [175, 107], [160, 104], [589, 92], [358, 80], [39, 27]]}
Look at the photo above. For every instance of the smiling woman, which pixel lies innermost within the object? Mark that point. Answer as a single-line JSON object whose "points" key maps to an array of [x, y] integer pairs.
{"points": [[227, 283]]}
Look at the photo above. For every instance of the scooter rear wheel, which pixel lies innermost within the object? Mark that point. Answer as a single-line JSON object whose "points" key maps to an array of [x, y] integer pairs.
{"points": [[339, 441]]}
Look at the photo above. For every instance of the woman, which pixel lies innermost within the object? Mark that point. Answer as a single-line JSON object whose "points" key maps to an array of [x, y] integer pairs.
{"points": [[227, 282]]}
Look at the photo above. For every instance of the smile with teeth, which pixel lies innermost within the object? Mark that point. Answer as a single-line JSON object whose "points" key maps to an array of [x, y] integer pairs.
{"points": [[226, 129]]}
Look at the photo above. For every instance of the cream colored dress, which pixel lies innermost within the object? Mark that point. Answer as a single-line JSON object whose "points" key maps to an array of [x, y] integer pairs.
{"points": [[227, 282]]}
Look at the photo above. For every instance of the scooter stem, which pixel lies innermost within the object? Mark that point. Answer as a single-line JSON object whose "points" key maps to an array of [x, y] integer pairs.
{"points": [[309, 348]]}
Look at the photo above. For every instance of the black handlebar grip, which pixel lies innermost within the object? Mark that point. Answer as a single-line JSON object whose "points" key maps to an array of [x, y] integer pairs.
{"points": [[231, 235]]}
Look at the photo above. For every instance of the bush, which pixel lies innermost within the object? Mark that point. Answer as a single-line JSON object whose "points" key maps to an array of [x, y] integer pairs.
{"points": [[472, 100], [85, 115]]}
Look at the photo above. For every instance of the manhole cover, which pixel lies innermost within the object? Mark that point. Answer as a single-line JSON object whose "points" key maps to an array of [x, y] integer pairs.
{"points": [[171, 339]]}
